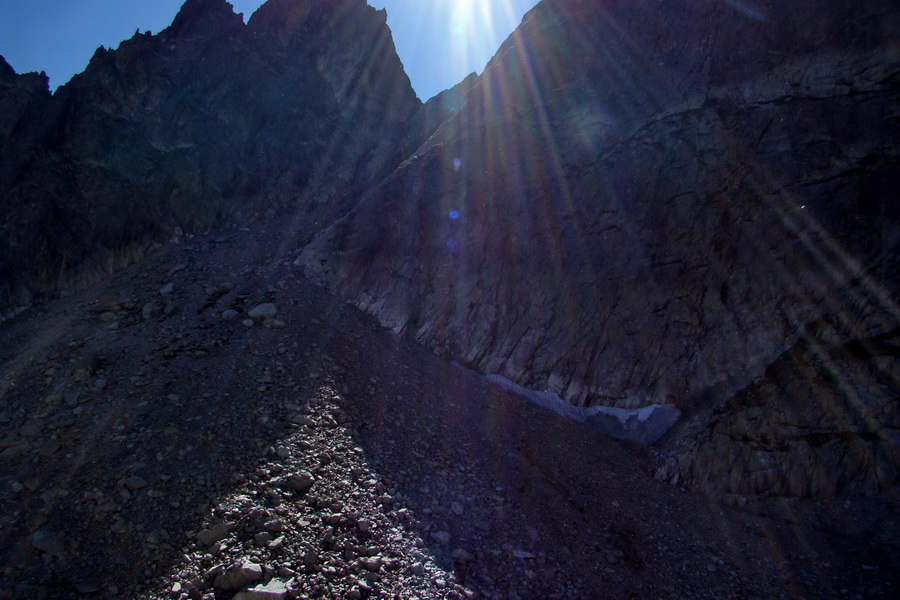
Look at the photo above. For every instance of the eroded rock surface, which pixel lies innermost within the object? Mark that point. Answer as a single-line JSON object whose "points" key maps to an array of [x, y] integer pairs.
{"points": [[636, 202], [822, 421], [647, 203]]}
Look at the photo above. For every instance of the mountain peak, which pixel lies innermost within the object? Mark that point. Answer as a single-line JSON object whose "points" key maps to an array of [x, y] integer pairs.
{"points": [[197, 17]]}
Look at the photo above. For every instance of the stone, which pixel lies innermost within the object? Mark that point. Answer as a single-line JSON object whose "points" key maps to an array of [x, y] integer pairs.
{"points": [[301, 482], [51, 542], [238, 577], [462, 555], [441, 537], [105, 304], [274, 590], [135, 483], [50, 448], [229, 314], [274, 526], [365, 525], [263, 311], [151, 310], [30, 429], [211, 535], [371, 564]]}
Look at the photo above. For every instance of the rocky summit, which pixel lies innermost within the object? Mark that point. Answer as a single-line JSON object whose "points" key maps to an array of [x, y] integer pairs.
{"points": [[616, 318]]}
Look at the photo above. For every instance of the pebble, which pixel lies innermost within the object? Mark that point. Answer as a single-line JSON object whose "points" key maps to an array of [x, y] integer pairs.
{"points": [[230, 314]]}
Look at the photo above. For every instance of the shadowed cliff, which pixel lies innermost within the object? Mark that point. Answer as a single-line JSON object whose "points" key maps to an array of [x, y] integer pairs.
{"points": [[651, 202]]}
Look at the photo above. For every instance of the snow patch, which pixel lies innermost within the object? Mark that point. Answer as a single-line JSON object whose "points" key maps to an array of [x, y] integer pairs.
{"points": [[643, 425]]}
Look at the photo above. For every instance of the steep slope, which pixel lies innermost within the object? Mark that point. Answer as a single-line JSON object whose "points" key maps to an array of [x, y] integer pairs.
{"points": [[645, 202], [150, 453], [209, 121]]}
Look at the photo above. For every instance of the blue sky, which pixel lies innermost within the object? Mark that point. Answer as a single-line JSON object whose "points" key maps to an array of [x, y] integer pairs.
{"points": [[439, 41]]}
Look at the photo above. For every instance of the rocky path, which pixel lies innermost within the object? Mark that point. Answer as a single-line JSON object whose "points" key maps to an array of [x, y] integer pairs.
{"points": [[208, 425]]}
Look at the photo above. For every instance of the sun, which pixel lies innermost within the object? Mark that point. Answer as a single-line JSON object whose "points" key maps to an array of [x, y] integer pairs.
{"points": [[472, 23], [462, 17]]}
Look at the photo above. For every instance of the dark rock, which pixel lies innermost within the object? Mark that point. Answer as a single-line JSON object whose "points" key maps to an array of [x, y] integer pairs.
{"points": [[51, 542], [806, 428], [596, 243], [652, 211], [210, 121]]}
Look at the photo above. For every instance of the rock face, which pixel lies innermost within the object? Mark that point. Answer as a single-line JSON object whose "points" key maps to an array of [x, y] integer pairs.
{"points": [[651, 202], [822, 421], [650, 208], [209, 121]]}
